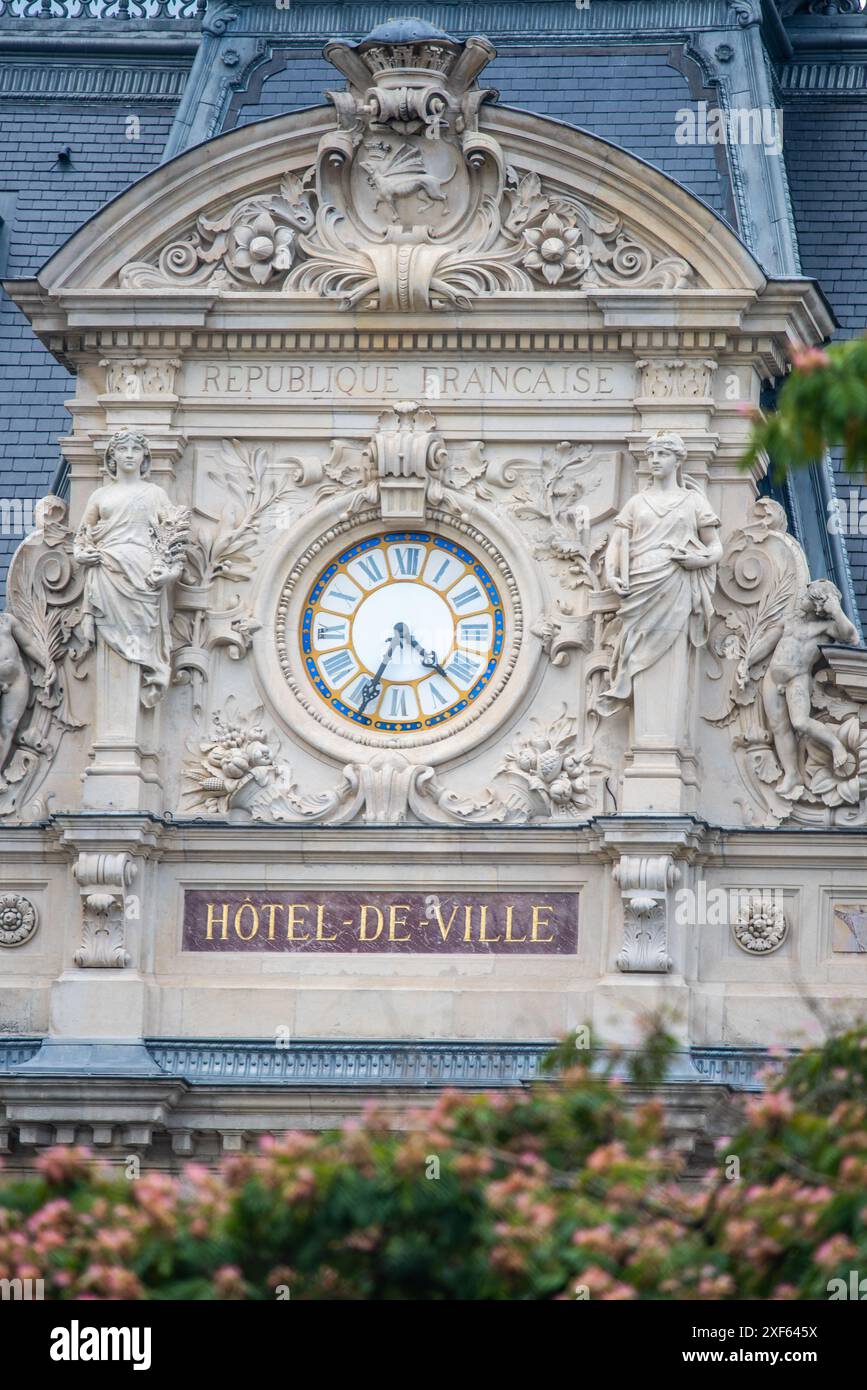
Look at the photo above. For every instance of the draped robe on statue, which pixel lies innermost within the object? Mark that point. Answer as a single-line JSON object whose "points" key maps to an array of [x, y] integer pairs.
{"points": [[664, 599], [131, 616]]}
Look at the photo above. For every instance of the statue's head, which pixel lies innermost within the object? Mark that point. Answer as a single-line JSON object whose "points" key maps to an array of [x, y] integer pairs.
{"points": [[816, 595], [665, 453], [127, 452]]}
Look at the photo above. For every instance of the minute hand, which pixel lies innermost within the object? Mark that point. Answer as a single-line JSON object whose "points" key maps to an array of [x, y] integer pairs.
{"points": [[370, 689]]}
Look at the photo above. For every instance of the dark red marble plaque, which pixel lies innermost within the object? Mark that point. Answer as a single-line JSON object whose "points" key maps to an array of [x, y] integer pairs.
{"points": [[392, 923]]}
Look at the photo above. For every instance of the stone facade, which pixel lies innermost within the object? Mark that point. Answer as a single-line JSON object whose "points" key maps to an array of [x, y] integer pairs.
{"points": [[407, 565]]}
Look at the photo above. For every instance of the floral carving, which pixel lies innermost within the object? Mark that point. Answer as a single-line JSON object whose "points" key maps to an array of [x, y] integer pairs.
{"points": [[18, 919], [554, 250], [554, 771], [761, 926], [252, 245], [236, 759]]}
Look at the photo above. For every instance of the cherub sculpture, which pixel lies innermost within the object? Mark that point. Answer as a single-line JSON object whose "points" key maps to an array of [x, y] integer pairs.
{"points": [[15, 643], [793, 647]]}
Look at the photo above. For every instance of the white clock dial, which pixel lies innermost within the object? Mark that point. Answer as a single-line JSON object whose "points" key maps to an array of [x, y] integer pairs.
{"points": [[402, 632]]}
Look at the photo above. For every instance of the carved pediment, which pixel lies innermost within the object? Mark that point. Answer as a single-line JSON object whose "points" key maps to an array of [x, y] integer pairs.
{"points": [[410, 204], [412, 191]]}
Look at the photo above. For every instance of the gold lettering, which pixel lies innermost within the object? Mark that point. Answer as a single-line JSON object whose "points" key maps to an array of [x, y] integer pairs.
{"points": [[445, 929], [273, 908], [515, 940], [209, 930], [536, 923], [292, 921], [362, 925], [468, 922], [247, 906], [483, 914], [320, 925], [394, 923]]}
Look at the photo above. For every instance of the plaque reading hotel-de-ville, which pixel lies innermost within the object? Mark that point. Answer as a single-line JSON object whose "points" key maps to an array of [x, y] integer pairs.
{"points": [[426, 923]]}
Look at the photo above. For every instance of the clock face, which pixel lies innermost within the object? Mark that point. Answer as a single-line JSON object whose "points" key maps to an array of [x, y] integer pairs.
{"points": [[402, 632]]}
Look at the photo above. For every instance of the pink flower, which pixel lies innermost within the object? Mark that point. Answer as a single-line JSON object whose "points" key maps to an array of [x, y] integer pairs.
{"points": [[809, 359], [834, 1252]]}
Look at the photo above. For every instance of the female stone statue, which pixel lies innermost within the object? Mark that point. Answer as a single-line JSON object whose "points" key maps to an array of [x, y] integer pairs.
{"points": [[661, 560], [132, 542]]}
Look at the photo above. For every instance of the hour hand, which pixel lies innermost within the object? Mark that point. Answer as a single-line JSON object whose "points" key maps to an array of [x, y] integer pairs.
{"points": [[428, 659]]}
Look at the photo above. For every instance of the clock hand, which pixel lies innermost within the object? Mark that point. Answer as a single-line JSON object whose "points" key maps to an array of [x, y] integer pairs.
{"points": [[371, 688], [428, 659]]}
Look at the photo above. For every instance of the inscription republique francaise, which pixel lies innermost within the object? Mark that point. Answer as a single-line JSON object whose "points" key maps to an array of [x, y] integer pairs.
{"points": [[424, 923], [538, 380]]}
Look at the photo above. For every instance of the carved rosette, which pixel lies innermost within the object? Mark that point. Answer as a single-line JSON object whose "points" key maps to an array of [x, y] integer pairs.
{"points": [[410, 205], [19, 920], [103, 880], [761, 926]]}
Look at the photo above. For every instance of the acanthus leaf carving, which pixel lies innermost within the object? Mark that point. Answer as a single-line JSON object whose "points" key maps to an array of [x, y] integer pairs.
{"points": [[103, 880], [645, 882]]}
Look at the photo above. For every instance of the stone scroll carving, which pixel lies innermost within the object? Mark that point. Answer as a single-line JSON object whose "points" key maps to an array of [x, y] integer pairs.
{"points": [[237, 767], [661, 563], [410, 205], [645, 881], [132, 543], [799, 728], [42, 651], [103, 880]]}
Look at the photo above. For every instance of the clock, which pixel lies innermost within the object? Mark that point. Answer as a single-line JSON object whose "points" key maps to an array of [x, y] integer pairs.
{"points": [[403, 631]]}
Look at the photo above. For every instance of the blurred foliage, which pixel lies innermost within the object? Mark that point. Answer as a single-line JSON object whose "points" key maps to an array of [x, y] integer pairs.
{"points": [[822, 405], [564, 1189]]}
